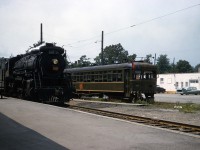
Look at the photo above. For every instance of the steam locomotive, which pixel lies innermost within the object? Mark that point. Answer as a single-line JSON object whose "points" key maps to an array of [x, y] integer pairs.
{"points": [[38, 75]]}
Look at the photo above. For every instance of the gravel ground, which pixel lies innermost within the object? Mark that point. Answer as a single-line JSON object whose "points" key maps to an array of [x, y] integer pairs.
{"points": [[139, 110]]}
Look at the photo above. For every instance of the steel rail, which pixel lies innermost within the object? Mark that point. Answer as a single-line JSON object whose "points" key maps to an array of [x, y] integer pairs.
{"points": [[181, 127]]}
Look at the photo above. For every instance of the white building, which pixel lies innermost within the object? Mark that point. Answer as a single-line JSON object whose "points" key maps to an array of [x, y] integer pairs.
{"points": [[174, 81]]}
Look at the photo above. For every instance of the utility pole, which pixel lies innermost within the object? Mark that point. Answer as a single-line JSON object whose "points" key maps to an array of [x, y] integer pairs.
{"points": [[41, 34], [173, 65], [102, 60]]}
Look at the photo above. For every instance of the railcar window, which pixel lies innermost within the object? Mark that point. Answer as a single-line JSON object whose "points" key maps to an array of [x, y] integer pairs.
{"points": [[88, 78], [81, 78], [85, 78], [119, 77], [115, 77], [98, 76], [104, 77], [143, 75], [109, 77]]}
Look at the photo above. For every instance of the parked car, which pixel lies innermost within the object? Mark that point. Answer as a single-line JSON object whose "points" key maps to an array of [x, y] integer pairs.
{"points": [[179, 91], [190, 90], [160, 89]]}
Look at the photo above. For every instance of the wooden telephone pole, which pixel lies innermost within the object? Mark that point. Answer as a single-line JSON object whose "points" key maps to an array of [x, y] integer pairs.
{"points": [[102, 59]]}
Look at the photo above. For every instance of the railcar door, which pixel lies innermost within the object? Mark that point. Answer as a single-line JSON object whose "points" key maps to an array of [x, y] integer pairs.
{"points": [[126, 83]]}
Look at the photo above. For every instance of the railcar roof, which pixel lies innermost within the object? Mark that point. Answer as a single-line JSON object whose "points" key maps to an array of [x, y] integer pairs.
{"points": [[106, 67], [102, 67]]}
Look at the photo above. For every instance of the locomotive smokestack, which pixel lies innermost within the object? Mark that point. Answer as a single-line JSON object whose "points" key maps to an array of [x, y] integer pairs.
{"points": [[41, 34]]}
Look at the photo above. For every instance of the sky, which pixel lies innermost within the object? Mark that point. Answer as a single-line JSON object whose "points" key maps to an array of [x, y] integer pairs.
{"points": [[159, 27]]}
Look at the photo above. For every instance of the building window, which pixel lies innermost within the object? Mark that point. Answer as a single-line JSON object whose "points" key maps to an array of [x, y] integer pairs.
{"points": [[186, 84], [169, 80], [176, 85], [194, 81], [161, 80], [181, 84]]}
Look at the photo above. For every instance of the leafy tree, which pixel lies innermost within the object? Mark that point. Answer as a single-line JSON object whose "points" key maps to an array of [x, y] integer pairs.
{"points": [[173, 68], [82, 62], [148, 58], [113, 54], [132, 58], [98, 59], [196, 68], [183, 66], [163, 64]]}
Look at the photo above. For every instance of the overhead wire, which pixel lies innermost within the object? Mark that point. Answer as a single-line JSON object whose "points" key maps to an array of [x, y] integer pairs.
{"points": [[125, 28], [156, 18], [128, 27], [134, 25]]}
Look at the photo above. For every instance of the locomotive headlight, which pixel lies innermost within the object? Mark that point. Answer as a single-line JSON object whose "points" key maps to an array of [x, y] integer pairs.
{"points": [[55, 61]]}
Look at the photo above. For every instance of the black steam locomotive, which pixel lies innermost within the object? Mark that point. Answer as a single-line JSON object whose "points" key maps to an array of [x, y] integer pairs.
{"points": [[38, 75]]}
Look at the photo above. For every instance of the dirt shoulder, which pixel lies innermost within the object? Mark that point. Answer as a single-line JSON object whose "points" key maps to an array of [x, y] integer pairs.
{"points": [[170, 114]]}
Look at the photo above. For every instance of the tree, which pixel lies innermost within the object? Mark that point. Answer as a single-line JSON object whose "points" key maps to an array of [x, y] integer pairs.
{"points": [[132, 58], [148, 58], [183, 66], [82, 62], [163, 64], [196, 68], [113, 54]]}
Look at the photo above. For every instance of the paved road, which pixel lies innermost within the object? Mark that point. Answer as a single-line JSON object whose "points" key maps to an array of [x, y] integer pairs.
{"points": [[37, 124], [177, 98]]}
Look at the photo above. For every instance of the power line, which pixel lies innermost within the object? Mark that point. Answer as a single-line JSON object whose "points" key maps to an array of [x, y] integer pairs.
{"points": [[134, 25], [147, 21]]}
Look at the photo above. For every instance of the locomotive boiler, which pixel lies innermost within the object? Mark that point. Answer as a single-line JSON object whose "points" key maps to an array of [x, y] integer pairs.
{"points": [[38, 75]]}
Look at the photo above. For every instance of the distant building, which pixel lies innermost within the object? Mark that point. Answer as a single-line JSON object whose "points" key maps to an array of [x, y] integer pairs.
{"points": [[174, 81]]}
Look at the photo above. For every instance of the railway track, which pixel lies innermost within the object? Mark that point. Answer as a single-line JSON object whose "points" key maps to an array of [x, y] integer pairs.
{"points": [[186, 128]]}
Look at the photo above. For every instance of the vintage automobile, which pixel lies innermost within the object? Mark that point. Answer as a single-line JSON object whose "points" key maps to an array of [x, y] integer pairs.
{"points": [[160, 89], [190, 90]]}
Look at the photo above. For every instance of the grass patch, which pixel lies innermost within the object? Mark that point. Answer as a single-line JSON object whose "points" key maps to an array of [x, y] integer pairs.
{"points": [[182, 107], [163, 105], [190, 108]]}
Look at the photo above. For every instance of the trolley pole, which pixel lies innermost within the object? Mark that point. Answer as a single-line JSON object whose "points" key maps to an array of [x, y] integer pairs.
{"points": [[102, 60]]}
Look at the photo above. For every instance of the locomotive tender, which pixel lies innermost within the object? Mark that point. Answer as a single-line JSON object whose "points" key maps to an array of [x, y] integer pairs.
{"points": [[38, 75], [129, 81]]}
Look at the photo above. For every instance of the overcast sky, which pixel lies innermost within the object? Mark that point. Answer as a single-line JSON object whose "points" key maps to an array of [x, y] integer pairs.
{"points": [[77, 24]]}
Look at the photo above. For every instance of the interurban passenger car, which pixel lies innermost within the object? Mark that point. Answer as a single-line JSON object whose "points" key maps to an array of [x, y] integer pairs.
{"points": [[127, 80]]}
